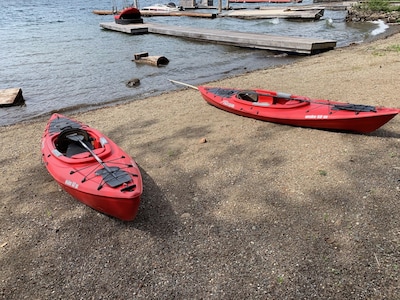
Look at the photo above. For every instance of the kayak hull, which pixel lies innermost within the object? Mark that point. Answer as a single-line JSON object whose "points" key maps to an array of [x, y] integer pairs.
{"points": [[299, 111], [112, 186]]}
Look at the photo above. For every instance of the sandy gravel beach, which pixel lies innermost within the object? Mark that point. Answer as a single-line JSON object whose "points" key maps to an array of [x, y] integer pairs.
{"points": [[259, 211]]}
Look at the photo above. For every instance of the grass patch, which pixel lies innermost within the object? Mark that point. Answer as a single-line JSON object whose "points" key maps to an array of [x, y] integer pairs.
{"points": [[322, 172], [325, 217], [378, 6], [395, 48]]}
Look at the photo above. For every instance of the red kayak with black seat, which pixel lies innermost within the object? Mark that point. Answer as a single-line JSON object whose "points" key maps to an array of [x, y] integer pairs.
{"points": [[91, 167], [296, 110]]}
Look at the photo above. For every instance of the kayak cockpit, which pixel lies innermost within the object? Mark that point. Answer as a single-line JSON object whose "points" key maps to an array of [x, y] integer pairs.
{"points": [[69, 147], [250, 96], [269, 100], [65, 148]]}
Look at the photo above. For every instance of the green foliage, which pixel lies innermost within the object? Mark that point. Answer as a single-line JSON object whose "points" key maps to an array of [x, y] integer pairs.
{"points": [[326, 217], [395, 48], [378, 6]]}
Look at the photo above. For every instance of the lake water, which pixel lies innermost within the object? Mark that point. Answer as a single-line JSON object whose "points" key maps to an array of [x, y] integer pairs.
{"points": [[56, 52]]}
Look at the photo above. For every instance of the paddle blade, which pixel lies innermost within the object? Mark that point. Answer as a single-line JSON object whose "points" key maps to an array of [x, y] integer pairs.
{"points": [[76, 137], [114, 176]]}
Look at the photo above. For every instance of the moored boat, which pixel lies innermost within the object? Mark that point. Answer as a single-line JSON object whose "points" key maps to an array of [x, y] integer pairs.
{"points": [[91, 167], [161, 7], [130, 15], [296, 110]]}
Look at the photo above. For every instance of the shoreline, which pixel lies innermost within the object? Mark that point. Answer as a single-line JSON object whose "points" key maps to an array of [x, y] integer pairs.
{"points": [[260, 210], [391, 30]]}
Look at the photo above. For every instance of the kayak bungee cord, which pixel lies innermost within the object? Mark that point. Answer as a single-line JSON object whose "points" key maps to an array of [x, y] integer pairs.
{"points": [[113, 176]]}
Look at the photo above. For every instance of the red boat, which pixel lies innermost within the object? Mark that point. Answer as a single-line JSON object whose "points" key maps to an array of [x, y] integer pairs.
{"points": [[300, 111], [130, 15], [91, 167]]}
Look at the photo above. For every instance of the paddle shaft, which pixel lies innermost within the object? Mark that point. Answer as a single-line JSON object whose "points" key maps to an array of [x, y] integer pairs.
{"points": [[278, 95], [281, 95], [342, 106], [96, 157], [185, 84], [118, 176]]}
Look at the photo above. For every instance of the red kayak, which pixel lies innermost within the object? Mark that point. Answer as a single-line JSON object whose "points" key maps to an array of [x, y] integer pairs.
{"points": [[300, 111], [130, 15], [91, 167]]}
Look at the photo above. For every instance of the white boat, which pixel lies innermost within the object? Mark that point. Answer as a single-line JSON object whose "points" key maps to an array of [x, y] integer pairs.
{"points": [[161, 7]]}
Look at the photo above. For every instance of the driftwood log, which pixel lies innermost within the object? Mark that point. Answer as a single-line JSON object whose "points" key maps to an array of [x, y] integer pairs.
{"points": [[144, 58], [10, 97]]}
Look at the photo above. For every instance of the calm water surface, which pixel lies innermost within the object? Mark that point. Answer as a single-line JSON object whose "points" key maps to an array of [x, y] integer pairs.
{"points": [[58, 54]]}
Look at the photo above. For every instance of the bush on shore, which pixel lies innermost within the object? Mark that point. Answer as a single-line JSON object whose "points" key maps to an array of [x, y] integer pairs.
{"points": [[373, 10]]}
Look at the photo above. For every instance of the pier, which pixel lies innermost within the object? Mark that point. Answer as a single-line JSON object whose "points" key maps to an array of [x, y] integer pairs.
{"points": [[294, 13], [193, 14], [150, 13], [297, 45]]}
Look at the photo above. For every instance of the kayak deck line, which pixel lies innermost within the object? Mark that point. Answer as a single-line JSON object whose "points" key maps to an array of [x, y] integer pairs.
{"points": [[297, 45]]}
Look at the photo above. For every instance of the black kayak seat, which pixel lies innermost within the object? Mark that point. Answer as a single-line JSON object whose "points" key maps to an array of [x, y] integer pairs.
{"points": [[247, 96], [70, 147], [75, 148]]}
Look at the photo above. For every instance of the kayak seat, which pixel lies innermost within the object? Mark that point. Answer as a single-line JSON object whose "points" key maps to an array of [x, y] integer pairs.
{"points": [[248, 96], [75, 148], [87, 154], [70, 147]]}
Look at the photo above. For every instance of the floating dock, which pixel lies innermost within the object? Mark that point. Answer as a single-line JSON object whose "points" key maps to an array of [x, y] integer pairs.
{"points": [[297, 45], [150, 13], [280, 13]]}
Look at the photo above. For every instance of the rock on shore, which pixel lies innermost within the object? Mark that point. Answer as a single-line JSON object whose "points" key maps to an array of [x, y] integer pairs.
{"points": [[355, 14]]}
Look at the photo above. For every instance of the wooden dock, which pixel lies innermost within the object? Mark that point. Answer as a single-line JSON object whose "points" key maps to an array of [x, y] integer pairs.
{"points": [[297, 45], [297, 13], [148, 13], [301, 13], [10, 97]]}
